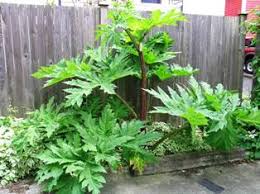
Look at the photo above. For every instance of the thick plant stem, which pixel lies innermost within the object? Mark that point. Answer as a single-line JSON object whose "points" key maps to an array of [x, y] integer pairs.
{"points": [[143, 96], [168, 135], [127, 105], [135, 42]]}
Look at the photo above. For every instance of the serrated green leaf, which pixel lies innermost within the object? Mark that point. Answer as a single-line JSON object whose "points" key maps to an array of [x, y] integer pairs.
{"points": [[70, 185], [89, 147], [74, 167], [252, 118], [165, 72], [91, 180], [110, 159], [32, 135], [224, 139], [195, 118], [108, 88]]}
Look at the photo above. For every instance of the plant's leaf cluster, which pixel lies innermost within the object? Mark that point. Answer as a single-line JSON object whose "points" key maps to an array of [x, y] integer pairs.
{"points": [[127, 32], [84, 75], [95, 145], [73, 147], [215, 110]]}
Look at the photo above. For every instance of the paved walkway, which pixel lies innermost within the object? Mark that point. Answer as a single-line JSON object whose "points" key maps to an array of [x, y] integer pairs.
{"points": [[228, 179]]}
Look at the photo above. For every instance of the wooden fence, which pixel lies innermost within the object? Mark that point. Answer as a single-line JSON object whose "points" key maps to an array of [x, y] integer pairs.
{"points": [[31, 36]]}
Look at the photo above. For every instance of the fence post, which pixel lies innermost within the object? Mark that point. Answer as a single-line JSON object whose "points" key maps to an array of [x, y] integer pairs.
{"points": [[242, 32]]}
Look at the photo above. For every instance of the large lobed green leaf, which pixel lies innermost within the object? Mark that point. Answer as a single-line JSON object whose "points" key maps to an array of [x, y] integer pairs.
{"points": [[215, 110], [96, 144], [84, 75]]}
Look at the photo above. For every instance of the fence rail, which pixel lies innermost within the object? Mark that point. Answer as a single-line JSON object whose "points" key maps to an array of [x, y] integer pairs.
{"points": [[31, 36]]}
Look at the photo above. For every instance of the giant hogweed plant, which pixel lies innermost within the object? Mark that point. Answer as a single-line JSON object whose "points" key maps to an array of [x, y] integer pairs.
{"points": [[126, 50], [149, 55], [73, 148], [214, 115], [79, 162]]}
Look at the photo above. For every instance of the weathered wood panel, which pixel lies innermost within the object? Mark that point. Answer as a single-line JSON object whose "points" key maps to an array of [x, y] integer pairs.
{"points": [[4, 93], [32, 36]]}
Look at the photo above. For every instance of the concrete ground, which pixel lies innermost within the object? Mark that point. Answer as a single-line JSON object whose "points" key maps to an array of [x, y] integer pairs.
{"points": [[230, 179], [247, 85], [241, 178]]}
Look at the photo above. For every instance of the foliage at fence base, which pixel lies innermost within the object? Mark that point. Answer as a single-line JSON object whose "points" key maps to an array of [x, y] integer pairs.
{"points": [[213, 115], [75, 149], [250, 141], [12, 165], [178, 141]]}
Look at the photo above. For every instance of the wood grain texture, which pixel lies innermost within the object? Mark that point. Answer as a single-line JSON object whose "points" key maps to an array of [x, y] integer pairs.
{"points": [[32, 36], [4, 93]]}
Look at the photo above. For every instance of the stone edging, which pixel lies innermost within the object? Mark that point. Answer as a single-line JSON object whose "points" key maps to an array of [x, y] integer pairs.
{"points": [[178, 162]]}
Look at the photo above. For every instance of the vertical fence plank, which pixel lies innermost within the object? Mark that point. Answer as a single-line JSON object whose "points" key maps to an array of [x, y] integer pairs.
{"points": [[73, 33], [34, 46], [27, 95], [49, 50], [42, 29], [215, 70], [16, 68], [4, 96]]}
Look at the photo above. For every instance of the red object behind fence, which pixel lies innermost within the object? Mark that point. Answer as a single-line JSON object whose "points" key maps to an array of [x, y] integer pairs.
{"points": [[233, 7]]}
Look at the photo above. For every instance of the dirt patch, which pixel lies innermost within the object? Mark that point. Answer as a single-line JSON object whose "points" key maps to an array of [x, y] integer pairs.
{"points": [[21, 187]]}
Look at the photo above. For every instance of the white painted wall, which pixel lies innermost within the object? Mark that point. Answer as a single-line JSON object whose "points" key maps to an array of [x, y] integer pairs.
{"points": [[204, 7], [32, 2], [243, 9], [164, 5], [44, 2]]}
